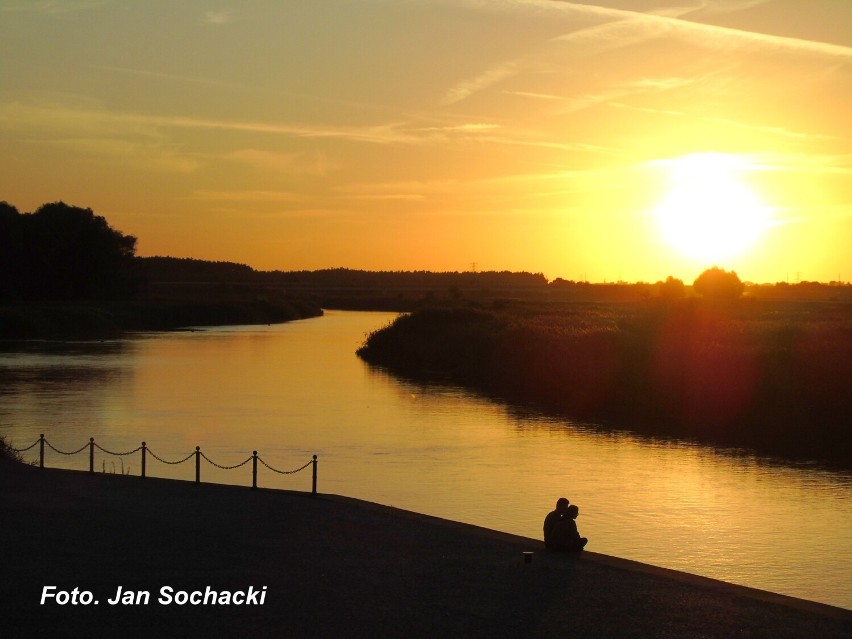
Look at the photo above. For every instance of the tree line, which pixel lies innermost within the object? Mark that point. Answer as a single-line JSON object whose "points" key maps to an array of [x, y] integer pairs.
{"points": [[62, 252]]}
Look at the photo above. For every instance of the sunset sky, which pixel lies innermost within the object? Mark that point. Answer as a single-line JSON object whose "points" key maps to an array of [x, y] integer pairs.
{"points": [[555, 137]]}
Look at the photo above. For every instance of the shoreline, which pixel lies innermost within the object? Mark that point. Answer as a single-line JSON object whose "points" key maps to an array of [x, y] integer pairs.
{"points": [[339, 566], [737, 376], [99, 320]]}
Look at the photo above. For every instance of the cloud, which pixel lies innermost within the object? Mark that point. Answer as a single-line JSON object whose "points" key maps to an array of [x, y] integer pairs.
{"points": [[297, 163], [535, 96], [635, 87], [222, 16], [68, 115], [712, 34], [130, 153], [378, 134], [620, 28], [830, 164], [81, 125], [486, 79], [545, 182], [246, 196], [465, 128], [388, 196], [759, 128]]}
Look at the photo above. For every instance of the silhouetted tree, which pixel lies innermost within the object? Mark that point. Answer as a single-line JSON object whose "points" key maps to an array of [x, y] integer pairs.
{"points": [[718, 285], [10, 250], [672, 289], [63, 252]]}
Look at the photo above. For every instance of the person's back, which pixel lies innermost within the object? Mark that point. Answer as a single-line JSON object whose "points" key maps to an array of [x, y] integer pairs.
{"points": [[564, 534], [551, 522]]}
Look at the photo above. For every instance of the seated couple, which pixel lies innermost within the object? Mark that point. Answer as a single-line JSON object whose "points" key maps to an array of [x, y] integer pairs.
{"points": [[560, 529]]}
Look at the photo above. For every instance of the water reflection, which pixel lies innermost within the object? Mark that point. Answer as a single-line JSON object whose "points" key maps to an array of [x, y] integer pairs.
{"points": [[293, 390]]}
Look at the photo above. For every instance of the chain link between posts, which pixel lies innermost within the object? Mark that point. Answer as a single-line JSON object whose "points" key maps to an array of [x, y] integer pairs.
{"points": [[284, 472], [109, 452], [171, 463], [33, 445], [242, 463], [62, 452]]}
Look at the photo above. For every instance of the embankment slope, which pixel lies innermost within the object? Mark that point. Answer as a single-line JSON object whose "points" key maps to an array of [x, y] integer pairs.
{"points": [[335, 567]]}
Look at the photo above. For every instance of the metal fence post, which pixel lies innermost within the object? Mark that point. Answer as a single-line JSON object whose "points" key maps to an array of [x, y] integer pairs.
{"points": [[144, 448], [41, 451], [198, 464], [91, 454], [254, 470], [314, 487]]}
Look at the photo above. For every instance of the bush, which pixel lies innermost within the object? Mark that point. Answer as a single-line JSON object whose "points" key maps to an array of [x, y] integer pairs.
{"points": [[718, 285], [9, 453]]}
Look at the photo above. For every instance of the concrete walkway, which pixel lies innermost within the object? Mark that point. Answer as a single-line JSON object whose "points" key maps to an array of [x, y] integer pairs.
{"points": [[333, 567]]}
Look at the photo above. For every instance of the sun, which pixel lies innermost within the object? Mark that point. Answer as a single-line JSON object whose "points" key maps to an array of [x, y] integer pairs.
{"points": [[709, 213]]}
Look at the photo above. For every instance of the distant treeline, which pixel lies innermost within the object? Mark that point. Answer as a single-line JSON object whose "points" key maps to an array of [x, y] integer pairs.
{"points": [[772, 377], [170, 269], [343, 285]]}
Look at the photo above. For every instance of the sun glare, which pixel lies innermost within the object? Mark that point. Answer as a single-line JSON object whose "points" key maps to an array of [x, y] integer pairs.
{"points": [[708, 212]]}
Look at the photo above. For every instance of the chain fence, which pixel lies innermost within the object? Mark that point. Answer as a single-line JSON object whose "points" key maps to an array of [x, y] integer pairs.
{"points": [[286, 472], [41, 442]]}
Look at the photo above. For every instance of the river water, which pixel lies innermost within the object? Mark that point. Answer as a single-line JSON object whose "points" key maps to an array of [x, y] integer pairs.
{"points": [[293, 390]]}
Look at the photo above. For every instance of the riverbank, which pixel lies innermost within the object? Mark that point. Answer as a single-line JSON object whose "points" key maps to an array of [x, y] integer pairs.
{"points": [[335, 567], [765, 376], [108, 320]]}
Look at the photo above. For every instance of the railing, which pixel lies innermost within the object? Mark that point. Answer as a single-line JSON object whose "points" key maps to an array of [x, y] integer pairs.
{"points": [[254, 458]]}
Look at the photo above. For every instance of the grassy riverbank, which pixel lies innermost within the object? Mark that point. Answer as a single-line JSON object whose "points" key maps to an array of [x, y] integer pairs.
{"points": [[336, 567], [105, 320], [772, 377]]}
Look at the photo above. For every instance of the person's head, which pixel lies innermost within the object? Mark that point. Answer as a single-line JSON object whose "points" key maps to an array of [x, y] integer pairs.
{"points": [[562, 503], [573, 511]]}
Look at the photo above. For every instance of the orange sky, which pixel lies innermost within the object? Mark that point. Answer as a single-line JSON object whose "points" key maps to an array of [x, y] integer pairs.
{"points": [[431, 134]]}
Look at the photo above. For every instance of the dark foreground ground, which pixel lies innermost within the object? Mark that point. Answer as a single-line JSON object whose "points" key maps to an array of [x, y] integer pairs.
{"points": [[334, 567]]}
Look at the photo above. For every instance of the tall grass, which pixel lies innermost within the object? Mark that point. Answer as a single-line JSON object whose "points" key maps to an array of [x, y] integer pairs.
{"points": [[771, 377], [8, 453]]}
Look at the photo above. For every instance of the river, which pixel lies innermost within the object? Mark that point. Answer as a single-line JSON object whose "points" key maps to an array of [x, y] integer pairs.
{"points": [[293, 390]]}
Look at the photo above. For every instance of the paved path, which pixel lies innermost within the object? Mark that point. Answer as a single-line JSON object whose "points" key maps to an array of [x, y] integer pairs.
{"points": [[334, 567]]}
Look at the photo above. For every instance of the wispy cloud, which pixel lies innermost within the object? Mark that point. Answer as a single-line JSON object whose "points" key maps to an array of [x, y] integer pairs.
{"points": [[620, 28], [535, 96], [486, 79], [77, 124], [627, 89], [222, 16], [832, 164], [315, 164], [140, 155], [69, 115], [806, 136], [556, 181], [378, 134], [713, 34], [388, 197], [246, 196]]}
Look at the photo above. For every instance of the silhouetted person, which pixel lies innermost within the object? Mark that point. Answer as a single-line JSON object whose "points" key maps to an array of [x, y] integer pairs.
{"points": [[562, 533], [553, 518]]}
